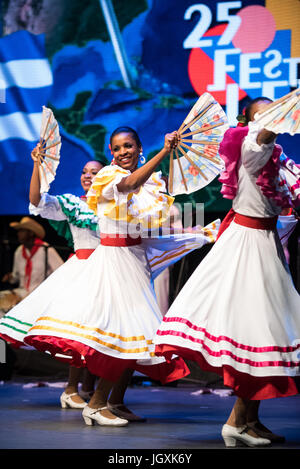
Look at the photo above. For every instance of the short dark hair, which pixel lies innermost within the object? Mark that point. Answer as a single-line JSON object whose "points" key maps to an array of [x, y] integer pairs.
{"points": [[249, 106], [98, 161], [128, 130]]}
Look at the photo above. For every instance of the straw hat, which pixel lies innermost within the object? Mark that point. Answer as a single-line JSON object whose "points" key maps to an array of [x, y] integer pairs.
{"points": [[27, 223]]}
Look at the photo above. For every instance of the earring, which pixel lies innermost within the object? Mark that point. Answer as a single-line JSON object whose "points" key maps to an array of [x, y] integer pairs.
{"points": [[142, 158]]}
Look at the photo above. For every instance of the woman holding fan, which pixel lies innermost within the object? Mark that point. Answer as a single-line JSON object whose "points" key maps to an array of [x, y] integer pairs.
{"points": [[108, 315], [238, 314], [72, 219]]}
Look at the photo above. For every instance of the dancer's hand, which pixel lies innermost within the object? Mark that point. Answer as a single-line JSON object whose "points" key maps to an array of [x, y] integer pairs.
{"points": [[265, 136], [171, 141], [35, 184], [35, 153]]}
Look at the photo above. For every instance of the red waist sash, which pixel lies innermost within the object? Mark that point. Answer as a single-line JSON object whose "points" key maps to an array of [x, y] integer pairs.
{"points": [[250, 222], [255, 222], [120, 240]]}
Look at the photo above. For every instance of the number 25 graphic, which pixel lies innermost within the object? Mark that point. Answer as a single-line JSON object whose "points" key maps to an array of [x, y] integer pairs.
{"points": [[194, 39]]}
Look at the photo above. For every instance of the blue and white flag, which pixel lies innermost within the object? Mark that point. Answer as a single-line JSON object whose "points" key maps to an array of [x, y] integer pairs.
{"points": [[25, 83]]}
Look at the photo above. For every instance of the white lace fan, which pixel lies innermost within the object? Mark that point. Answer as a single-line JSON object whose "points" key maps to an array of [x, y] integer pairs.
{"points": [[197, 160], [50, 144], [283, 115]]}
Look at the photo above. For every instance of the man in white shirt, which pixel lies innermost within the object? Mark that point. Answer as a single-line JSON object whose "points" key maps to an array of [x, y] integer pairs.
{"points": [[34, 260]]}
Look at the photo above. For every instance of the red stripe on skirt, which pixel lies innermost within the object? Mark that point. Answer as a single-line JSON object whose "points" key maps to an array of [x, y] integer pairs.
{"points": [[244, 385], [186, 322], [105, 366]]}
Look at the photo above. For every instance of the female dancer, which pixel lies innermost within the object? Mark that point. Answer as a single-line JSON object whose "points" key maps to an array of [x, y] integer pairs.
{"points": [[108, 314], [238, 314], [71, 217]]}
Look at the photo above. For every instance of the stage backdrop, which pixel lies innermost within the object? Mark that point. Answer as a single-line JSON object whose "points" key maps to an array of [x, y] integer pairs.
{"points": [[99, 64]]}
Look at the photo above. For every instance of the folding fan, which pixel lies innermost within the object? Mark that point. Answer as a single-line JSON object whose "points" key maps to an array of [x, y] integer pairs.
{"points": [[49, 150], [282, 115], [197, 156]]}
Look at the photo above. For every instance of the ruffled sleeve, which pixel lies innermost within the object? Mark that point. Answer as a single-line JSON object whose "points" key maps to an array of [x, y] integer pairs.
{"points": [[104, 190], [263, 161], [77, 212], [230, 152], [64, 210], [66, 207], [148, 203], [151, 205], [48, 207]]}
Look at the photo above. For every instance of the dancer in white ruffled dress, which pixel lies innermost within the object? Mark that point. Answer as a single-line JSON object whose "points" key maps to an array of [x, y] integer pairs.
{"points": [[70, 217], [239, 313], [55, 312], [107, 316]]}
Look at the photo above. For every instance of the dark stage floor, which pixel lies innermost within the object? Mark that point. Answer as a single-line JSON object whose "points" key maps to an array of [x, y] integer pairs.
{"points": [[177, 417]]}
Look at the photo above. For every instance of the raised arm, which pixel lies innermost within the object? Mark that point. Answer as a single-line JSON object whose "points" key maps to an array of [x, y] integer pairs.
{"points": [[35, 184], [257, 147], [141, 175]]}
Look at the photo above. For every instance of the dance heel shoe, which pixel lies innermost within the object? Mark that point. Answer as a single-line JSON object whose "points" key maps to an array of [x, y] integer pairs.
{"points": [[237, 436], [120, 410], [67, 401], [90, 416], [264, 432]]}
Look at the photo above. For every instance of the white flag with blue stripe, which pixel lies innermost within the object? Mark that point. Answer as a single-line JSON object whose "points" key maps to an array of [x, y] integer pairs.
{"points": [[26, 83]]}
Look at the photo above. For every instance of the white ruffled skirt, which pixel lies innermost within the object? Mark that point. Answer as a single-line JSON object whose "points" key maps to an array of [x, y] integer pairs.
{"points": [[14, 326], [239, 315], [100, 313]]}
